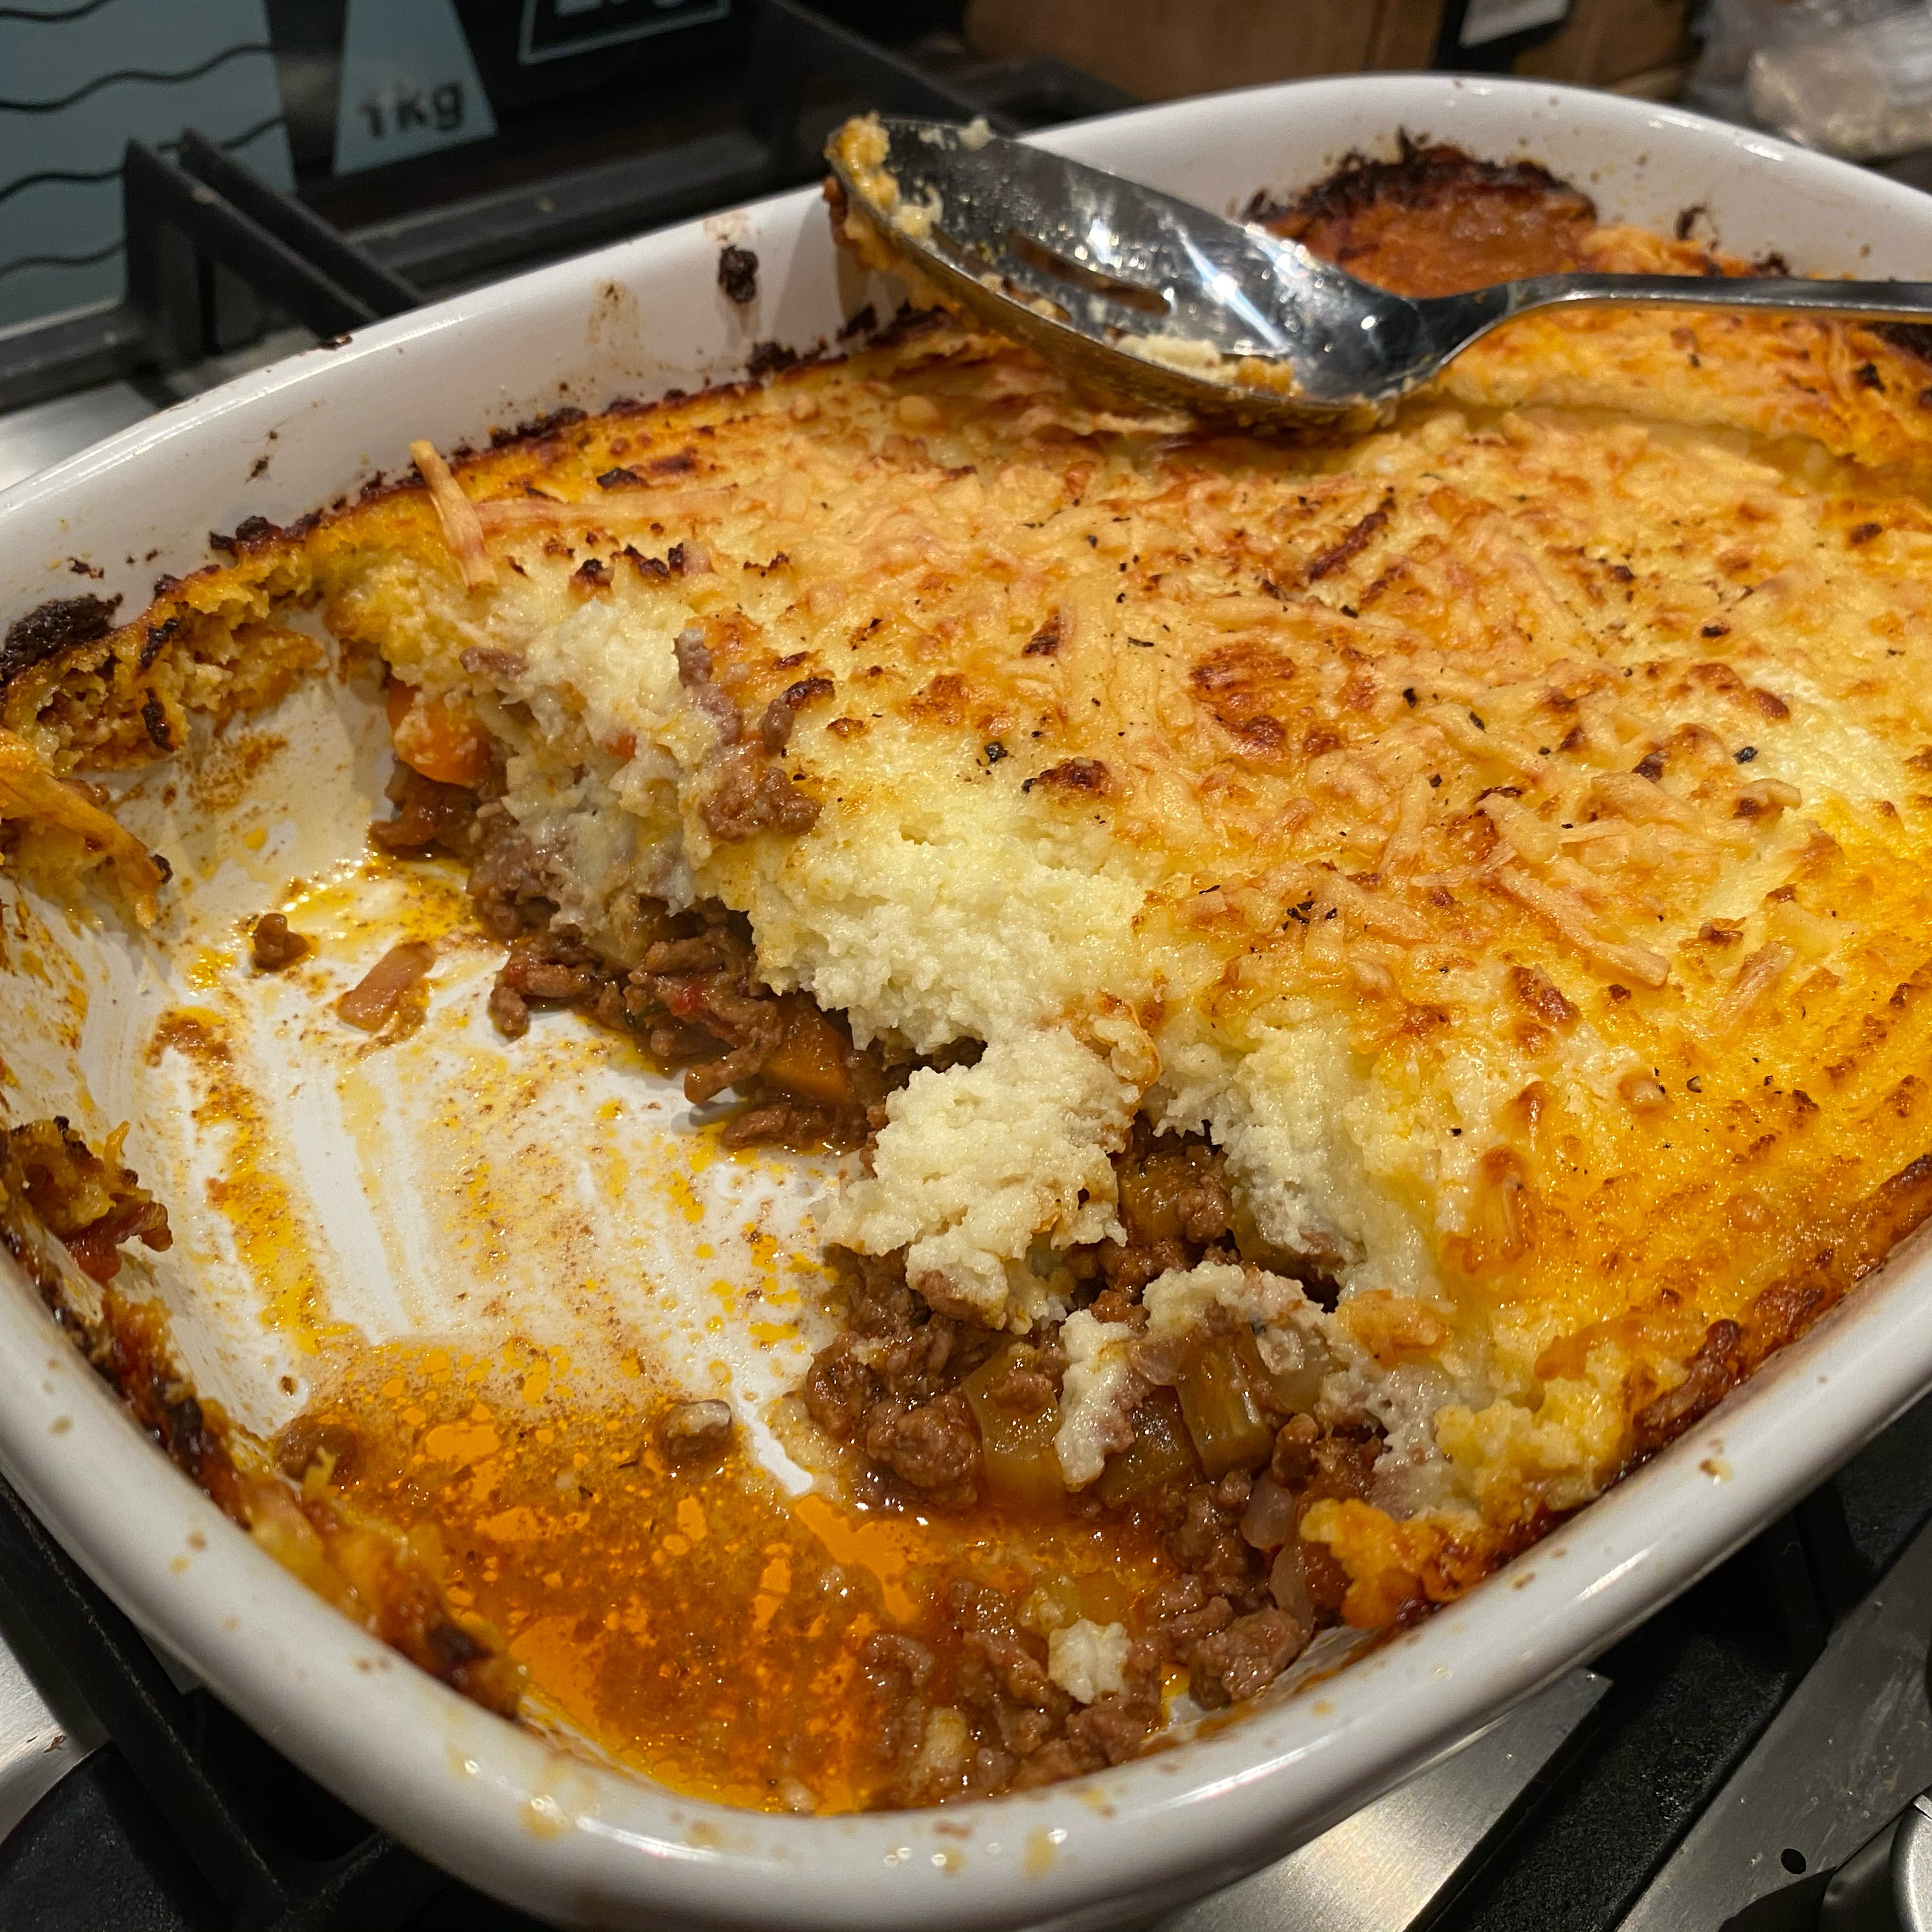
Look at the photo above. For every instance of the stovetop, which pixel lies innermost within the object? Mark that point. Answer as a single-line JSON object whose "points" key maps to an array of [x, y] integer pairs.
{"points": [[1709, 1770]]}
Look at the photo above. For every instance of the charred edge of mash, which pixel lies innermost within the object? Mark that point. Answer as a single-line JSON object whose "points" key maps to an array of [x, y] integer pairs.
{"points": [[1423, 174], [64, 664]]}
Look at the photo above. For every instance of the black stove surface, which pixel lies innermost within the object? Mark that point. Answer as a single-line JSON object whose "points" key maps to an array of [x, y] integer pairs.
{"points": [[1692, 1691]]}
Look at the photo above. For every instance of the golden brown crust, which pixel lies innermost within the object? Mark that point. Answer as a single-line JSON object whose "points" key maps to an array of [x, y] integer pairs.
{"points": [[71, 831], [1435, 220]]}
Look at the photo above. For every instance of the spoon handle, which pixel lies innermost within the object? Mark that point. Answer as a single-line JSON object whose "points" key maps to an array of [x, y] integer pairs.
{"points": [[1450, 323], [1875, 301]]}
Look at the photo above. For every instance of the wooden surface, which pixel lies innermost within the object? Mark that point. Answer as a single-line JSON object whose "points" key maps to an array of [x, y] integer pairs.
{"points": [[1161, 49], [1605, 41]]}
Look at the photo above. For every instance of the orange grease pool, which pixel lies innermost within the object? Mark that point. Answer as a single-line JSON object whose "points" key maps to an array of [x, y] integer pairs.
{"points": [[688, 1619]]}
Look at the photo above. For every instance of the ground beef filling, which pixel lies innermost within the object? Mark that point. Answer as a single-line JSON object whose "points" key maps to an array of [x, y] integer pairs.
{"points": [[898, 1397], [692, 998], [936, 1412], [92, 1202], [926, 1403], [971, 1710]]}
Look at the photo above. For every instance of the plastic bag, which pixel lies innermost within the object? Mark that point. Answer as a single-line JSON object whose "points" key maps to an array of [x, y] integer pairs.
{"points": [[1851, 77]]}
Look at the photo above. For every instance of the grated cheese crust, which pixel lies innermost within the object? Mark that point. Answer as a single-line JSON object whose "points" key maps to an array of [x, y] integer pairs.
{"points": [[1504, 833]]}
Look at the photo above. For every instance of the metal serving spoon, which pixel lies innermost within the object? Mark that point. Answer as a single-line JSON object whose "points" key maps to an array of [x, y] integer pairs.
{"points": [[1140, 295]]}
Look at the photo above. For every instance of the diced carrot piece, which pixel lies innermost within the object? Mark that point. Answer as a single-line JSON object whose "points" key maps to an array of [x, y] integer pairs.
{"points": [[439, 737], [814, 1061]]}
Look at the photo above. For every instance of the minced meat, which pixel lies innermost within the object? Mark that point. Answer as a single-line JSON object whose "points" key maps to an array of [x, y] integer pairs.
{"points": [[972, 1710], [972, 1718], [92, 1202], [694, 999], [1246, 1656], [428, 815], [272, 946], [751, 795]]}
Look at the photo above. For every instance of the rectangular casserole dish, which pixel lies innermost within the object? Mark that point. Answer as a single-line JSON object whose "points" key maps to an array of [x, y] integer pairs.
{"points": [[538, 1825]]}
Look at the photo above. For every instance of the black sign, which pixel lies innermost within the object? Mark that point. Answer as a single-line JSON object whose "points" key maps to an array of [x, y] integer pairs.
{"points": [[555, 29]]}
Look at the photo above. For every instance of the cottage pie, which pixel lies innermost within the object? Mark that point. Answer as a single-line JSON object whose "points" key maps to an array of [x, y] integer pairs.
{"points": [[1370, 981]]}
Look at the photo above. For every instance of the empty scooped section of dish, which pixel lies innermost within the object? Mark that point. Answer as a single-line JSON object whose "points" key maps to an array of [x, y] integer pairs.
{"points": [[332, 1189], [472, 1287], [477, 1275]]}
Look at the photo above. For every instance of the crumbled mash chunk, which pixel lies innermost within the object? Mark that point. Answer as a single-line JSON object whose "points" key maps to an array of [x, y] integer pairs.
{"points": [[976, 1162], [1088, 1660]]}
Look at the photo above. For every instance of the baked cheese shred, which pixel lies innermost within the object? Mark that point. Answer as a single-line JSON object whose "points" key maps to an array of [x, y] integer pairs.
{"points": [[462, 528], [81, 833]]}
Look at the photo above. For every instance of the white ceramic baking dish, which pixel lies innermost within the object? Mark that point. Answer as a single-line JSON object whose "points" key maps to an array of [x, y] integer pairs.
{"points": [[507, 1810]]}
